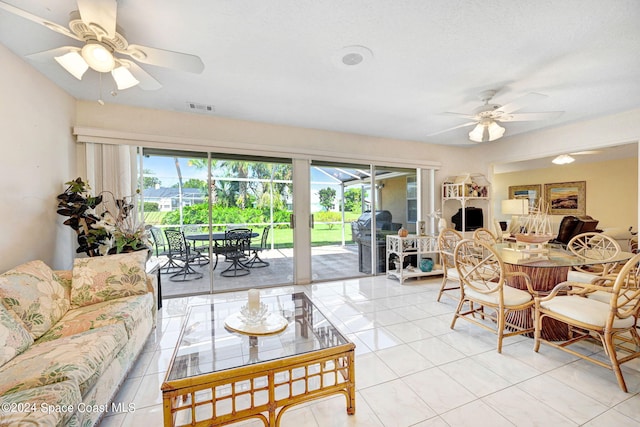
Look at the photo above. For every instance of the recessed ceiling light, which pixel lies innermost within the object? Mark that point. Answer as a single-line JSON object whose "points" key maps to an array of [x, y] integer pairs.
{"points": [[350, 57]]}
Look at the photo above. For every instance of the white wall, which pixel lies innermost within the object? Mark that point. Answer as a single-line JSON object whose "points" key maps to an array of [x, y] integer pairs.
{"points": [[38, 150]]}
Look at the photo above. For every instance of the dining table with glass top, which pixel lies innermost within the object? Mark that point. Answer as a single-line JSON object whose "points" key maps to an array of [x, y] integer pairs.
{"points": [[223, 371], [546, 267]]}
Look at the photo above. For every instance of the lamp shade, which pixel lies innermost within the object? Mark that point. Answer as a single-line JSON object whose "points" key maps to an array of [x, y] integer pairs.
{"points": [[515, 207]]}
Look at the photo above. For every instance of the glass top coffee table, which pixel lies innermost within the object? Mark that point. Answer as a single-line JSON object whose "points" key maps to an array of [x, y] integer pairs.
{"points": [[218, 376]]}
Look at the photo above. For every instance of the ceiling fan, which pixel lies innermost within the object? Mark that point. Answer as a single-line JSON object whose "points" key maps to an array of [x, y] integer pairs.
{"points": [[486, 117], [94, 24]]}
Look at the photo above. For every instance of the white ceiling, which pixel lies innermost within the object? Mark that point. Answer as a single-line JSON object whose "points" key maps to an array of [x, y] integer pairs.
{"points": [[279, 61]]}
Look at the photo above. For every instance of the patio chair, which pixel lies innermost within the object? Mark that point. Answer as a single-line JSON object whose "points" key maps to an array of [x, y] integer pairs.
{"points": [[180, 251], [611, 322], [235, 244], [201, 250], [161, 248], [255, 261]]}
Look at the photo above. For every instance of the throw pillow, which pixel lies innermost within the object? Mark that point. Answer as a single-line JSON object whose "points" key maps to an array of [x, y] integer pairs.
{"points": [[32, 292], [108, 277], [14, 338]]}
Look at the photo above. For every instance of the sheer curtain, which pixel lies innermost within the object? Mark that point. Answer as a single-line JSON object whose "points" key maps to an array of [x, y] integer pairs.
{"points": [[112, 168]]}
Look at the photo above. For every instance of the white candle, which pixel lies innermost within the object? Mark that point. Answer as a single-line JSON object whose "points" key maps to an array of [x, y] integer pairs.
{"points": [[254, 300]]}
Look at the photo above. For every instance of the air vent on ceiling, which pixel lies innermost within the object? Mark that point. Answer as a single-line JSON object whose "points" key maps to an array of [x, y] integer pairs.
{"points": [[200, 108]]}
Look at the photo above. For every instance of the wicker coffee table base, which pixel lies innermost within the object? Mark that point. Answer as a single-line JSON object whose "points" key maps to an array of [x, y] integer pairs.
{"points": [[262, 390]]}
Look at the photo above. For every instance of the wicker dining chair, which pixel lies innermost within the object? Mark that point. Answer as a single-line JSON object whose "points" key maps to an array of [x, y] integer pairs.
{"points": [[447, 240], [485, 298], [485, 235], [611, 322], [593, 246]]}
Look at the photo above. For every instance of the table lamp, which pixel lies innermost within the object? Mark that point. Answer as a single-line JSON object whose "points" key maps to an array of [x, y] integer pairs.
{"points": [[515, 208]]}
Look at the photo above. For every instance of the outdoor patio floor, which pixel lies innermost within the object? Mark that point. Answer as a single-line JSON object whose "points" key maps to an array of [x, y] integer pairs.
{"points": [[328, 262]]}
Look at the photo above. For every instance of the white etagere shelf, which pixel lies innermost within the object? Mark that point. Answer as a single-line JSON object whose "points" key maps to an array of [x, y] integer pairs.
{"points": [[421, 247], [469, 190]]}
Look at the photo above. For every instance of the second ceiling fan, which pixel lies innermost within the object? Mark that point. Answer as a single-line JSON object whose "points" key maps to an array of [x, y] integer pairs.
{"points": [[487, 116]]}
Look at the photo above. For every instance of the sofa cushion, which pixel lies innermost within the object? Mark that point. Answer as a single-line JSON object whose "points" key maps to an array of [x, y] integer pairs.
{"points": [[33, 293], [108, 277], [14, 338], [81, 358], [129, 310], [49, 405]]}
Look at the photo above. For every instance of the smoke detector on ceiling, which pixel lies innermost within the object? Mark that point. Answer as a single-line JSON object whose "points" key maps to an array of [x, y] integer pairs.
{"points": [[350, 57]]}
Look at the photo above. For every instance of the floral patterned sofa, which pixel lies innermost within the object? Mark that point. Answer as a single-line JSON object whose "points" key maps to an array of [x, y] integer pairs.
{"points": [[68, 338]]}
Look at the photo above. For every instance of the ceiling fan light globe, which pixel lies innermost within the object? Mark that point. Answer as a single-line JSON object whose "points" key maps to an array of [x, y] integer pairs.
{"points": [[477, 134], [123, 78], [98, 57], [495, 131], [73, 63]]}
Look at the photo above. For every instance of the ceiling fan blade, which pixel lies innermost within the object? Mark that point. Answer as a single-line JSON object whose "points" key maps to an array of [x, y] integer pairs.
{"points": [[529, 117], [147, 82], [453, 128], [100, 16], [47, 55], [520, 102], [466, 116], [50, 25], [165, 58]]}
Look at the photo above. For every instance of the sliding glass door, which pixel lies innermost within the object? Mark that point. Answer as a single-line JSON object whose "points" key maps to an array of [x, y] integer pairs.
{"points": [[203, 196], [348, 202]]}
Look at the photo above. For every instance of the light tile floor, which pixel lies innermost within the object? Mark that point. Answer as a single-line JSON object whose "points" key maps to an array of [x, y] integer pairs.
{"points": [[413, 370]]}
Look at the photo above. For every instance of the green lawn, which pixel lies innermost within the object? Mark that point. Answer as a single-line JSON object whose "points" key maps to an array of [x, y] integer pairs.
{"points": [[321, 234]]}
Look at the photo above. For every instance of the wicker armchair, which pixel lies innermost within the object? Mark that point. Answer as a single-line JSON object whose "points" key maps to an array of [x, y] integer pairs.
{"points": [[486, 300], [611, 322]]}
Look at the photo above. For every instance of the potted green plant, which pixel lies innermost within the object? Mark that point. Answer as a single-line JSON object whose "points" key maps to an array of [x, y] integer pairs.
{"points": [[100, 228]]}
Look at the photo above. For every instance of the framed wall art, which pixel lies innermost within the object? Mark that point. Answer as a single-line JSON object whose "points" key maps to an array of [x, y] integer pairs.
{"points": [[529, 192], [566, 198]]}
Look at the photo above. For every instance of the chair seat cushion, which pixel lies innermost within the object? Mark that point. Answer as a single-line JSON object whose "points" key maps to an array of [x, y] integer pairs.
{"points": [[580, 276], [585, 310], [512, 296], [453, 273]]}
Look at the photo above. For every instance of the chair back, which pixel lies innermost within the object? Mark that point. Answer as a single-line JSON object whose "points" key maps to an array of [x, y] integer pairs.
{"points": [[264, 238], [485, 235], [595, 246], [237, 239], [159, 241], [176, 242], [479, 266], [625, 293], [447, 241]]}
